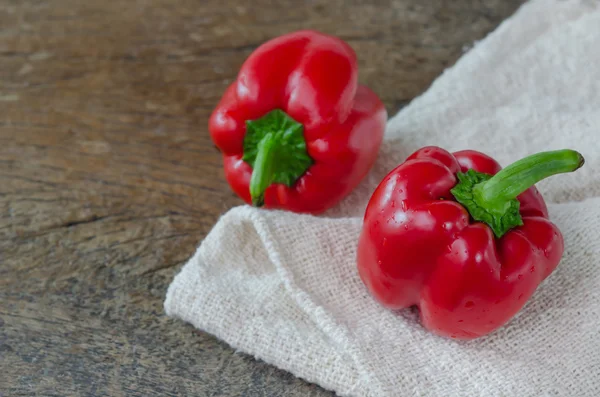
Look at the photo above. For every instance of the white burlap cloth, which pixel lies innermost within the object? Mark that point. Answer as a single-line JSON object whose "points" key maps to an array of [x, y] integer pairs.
{"points": [[284, 287]]}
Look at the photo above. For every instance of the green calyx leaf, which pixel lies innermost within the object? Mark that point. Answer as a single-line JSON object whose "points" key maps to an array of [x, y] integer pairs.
{"points": [[275, 147], [500, 218], [493, 199]]}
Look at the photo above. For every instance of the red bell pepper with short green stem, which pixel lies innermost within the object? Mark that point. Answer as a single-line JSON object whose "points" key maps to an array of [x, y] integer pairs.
{"points": [[466, 242], [296, 130]]}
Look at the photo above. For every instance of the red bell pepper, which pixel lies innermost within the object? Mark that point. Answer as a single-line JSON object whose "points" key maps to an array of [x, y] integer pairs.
{"points": [[467, 248], [295, 129]]}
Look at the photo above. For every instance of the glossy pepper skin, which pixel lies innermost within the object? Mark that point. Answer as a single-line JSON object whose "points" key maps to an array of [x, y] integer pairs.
{"points": [[334, 125], [419, 246]]}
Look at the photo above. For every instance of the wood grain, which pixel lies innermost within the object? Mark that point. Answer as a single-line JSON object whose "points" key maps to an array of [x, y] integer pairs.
{"points": [[108, 179]]}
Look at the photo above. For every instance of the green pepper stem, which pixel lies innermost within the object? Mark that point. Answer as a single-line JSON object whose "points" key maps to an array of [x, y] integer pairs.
{"points": [[513, 180], [263, 171]]}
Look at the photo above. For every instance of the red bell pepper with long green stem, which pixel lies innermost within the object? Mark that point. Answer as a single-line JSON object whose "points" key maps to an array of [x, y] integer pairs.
{"points": [[463, 240], [296, 130]]}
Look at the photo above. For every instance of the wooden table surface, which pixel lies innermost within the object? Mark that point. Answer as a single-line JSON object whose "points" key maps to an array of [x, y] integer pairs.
{"points": [[108, 179]]}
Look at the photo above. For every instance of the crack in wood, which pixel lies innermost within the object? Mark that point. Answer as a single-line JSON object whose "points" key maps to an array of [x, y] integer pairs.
{"points": [[90, 219]]}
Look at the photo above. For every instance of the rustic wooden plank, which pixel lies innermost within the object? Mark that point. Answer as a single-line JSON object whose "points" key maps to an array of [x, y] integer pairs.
{"points": [[108, 179]]}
